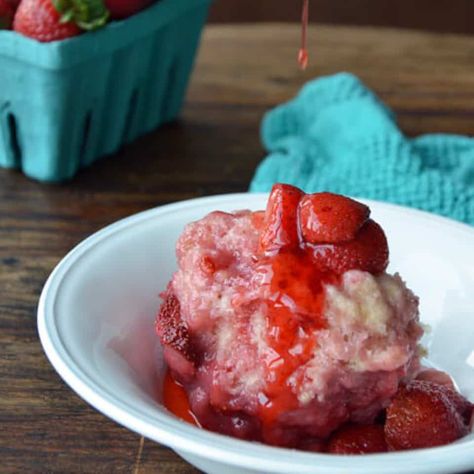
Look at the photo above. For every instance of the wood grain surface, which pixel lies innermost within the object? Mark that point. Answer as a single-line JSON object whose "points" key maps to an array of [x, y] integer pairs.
{"points": [[440, 15], [241, 71]]}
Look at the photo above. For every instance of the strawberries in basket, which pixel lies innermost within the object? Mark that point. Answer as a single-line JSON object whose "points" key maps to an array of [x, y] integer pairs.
{"points": [[53, 20]]}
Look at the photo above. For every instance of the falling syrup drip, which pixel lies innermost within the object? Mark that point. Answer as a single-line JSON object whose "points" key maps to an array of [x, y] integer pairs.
{"points": [[303, 52]]}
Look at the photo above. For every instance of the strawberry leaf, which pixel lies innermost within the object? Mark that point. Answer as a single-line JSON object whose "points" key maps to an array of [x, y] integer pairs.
{"points": [[87, 14]]}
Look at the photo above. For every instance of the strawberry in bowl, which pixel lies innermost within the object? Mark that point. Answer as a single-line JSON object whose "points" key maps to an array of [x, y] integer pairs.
{"points": [[283, 327]]}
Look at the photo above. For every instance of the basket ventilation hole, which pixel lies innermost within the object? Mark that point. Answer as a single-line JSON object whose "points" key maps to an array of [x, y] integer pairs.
{"points": [[168, 98], [14, 143], [132, 106], [86, 133]]}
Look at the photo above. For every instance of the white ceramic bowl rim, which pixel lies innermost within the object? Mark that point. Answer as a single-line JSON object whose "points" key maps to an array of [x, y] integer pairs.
{"points": [[170, 431]]}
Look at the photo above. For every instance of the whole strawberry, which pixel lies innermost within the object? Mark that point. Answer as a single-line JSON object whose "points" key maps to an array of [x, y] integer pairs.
{"points": [[424, 414], [6, 15], [52, 20], [124, 8]]}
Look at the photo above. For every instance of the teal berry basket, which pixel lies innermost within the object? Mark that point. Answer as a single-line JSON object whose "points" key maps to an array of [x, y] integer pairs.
{"points": [[65, 104]]}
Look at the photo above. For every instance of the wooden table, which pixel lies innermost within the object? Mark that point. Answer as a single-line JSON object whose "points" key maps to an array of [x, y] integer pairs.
{"points": [[241, 72]]}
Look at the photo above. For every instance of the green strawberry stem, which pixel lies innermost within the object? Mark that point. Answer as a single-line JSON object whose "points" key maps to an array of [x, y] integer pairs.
{"points": [[87, 14]]}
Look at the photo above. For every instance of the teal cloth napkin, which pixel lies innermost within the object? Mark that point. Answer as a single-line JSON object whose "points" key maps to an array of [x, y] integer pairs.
{"points": [[337, 136]]}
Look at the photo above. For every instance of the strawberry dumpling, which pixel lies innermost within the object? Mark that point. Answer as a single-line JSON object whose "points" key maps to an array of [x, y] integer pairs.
{"points": [[283, 325]]}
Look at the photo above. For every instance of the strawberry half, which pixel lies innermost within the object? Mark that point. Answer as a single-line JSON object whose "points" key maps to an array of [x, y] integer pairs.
{"points": [[280, 222], [7, 13], [330, 218], [421, 416], [367, 252], [358, 439], [51, 20]]}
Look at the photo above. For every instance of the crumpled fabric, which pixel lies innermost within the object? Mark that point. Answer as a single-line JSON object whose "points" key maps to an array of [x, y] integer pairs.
{"points": [[336, 135]]}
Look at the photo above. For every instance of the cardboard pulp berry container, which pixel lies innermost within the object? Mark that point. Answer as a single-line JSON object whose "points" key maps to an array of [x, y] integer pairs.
{"points": [[66, 103]]}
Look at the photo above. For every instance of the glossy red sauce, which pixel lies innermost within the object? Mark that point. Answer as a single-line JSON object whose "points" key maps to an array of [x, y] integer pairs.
{"points": [[295, 312], [176, 400]]}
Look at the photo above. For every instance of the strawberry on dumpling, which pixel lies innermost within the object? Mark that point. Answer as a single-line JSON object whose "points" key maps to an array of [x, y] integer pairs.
{"points": [[331, 218], [280, 226]]}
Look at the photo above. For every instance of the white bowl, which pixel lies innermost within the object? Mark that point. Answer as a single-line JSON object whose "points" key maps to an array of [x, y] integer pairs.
{"points": [[96, 323]]}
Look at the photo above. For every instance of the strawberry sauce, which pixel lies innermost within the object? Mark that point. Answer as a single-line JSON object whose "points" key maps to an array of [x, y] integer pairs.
{"points": [[295, 313], [176, 400]]}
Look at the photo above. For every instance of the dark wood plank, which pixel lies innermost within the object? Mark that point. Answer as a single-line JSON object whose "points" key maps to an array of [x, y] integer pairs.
{"points": [[442, 15], [428, 79]]}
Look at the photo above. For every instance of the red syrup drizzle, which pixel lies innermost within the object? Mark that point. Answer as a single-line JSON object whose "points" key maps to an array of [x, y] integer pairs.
{"points": [[175, 399], [303, 52], [295, 312]]}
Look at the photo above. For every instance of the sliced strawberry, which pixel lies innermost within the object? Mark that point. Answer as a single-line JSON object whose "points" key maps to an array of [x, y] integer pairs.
{"points": [[421, 415], [280, 223], [51, 20], [358, 439], [172, 330], [367, 252], [330, 218], [7, 13]]}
